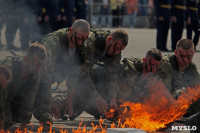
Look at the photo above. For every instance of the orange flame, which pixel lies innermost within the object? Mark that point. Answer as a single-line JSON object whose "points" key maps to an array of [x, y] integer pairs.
{"points": [[158, 110], [155, 112]]}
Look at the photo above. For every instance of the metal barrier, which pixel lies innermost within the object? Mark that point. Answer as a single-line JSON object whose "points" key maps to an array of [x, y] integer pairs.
{"points": [[97, 17]]}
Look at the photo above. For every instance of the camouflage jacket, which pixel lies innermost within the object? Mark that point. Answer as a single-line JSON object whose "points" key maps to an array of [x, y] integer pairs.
{"points": [[62, 64], [180, 80], [132, 83], [186, 78], [95, 54], [20, 92]]}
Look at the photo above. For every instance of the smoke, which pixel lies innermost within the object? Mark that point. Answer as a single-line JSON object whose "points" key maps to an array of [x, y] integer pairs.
{"points": [[22, 15]]}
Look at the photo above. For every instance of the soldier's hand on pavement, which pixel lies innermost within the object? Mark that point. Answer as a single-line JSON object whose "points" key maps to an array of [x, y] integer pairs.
{"points": [[101, 105], [68, 107], [55, 110], [113, 104]]}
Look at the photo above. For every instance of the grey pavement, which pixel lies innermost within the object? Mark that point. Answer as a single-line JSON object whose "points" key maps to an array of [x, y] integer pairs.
{"points": [[140, 40]]}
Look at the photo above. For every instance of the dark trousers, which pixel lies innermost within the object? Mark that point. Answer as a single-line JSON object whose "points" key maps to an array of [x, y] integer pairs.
{"points": [[162, 34], [11, 28], [176, 32], [25, 35], [194, 26], [117, 18]]}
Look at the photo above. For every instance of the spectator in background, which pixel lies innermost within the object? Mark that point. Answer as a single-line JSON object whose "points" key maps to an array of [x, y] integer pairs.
{"points": [[66, 12], [132, 10], [163, 13], [117, 12], [81, 9], [143, 7], [192, 23], [104, 10]]}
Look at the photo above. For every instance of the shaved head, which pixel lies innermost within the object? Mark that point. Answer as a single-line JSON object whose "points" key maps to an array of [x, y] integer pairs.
{"points": [[81, 24]]}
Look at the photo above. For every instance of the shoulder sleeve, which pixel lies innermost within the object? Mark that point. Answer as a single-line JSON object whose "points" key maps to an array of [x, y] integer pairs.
{"points": [[165, 72], [51, 42]]}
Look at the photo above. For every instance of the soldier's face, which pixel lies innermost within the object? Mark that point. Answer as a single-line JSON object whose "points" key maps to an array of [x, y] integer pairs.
{"points": [[115, 47], [3, 82], [184, 57], [78, 37], [151, 64]]}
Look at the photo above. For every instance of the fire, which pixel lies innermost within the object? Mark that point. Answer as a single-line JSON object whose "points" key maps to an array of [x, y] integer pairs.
{"points": [[155, 111]]}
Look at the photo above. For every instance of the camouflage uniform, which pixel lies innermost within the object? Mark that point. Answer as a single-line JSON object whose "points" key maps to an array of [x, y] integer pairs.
{"points": [[131, 72], [20, 93], [180, 80], [62, 66], [99, 64]]}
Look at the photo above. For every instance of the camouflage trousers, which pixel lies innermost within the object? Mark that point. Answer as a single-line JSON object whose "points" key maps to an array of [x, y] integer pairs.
{"points": [[42, 106]]}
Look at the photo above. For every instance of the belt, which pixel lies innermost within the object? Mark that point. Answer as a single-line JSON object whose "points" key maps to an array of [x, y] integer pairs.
{"points": [[180, 7], [193, 8], [165, 6]]}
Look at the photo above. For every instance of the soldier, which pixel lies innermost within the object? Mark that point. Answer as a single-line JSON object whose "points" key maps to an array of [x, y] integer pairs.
{"points": [[137, 73], [5, 76], [66, 9], [28, 23], [163, 13], [49, 10], [23, 87], [103, 53], [193, 21], [179, 8], [12, 15], [2, 18], [66, 48], [81, 9], [183, 71]]}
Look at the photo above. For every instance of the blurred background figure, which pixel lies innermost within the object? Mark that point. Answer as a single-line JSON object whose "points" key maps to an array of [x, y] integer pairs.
{"points": [[178, 17], [2, 18], [104, 10], [66, 12], [117, 7], [12, 21], [132, 10], [81, 9], [192, 23], [28, 23], [49, 10], [143, 7], [163, 14]]}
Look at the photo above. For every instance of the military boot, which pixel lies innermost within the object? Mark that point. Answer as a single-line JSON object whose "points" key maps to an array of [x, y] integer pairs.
{"points": [[43, 117]]}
